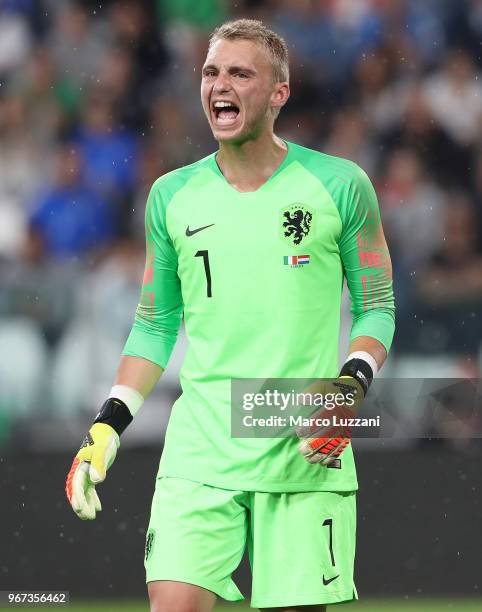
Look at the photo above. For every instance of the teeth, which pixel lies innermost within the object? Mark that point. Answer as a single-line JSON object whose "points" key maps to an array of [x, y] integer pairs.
{"points": [[222, 104]]}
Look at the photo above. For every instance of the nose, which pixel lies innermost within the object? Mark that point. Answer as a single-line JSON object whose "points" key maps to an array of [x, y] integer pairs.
{"points": [[222, 83]]}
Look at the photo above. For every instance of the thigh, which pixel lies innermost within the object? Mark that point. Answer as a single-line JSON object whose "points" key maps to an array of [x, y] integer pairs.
{"points": [[302, 548], [196, 535], [167, 596]]}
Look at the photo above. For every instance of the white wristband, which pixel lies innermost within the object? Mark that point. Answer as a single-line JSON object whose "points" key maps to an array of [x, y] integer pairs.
{"points": [[131, 398], [366, 357]]}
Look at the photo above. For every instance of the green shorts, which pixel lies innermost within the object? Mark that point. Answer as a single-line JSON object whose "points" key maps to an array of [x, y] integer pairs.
{"points": [[301, 545]]}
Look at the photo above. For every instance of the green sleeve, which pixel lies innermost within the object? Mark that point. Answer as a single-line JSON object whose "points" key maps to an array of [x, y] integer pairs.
{"points": [[159, 313], [366, 261]]}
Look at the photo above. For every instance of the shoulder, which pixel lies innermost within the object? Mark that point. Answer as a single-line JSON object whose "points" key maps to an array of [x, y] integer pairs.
{"points": [[328, 168], [168, 184]]}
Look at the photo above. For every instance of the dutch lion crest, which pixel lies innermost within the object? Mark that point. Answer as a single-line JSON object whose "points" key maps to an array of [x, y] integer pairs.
{"points": [[296, 223]]}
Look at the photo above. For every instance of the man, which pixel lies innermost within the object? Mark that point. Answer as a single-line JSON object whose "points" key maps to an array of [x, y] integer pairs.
{"points": [[223, 240]]}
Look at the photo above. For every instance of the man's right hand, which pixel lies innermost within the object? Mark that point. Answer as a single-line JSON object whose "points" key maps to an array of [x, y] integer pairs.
{"points": [[89, 468]]}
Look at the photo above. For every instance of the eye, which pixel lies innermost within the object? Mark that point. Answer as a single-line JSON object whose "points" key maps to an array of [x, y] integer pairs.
{"points": [[209, 73], [242, 75]]}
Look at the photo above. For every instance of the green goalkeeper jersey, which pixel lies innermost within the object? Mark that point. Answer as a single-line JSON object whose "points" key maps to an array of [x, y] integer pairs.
{"points": [[258, 277]]}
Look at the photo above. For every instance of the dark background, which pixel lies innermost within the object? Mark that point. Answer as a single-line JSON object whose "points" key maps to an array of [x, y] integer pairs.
{"points": [[418, 525]]}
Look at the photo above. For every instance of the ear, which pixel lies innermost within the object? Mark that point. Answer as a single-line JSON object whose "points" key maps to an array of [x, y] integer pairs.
{"points": [[280, 95]]}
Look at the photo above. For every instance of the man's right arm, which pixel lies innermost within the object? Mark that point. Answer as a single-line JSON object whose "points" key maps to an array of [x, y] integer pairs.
{"points": [[138, 373], [145, 355]]}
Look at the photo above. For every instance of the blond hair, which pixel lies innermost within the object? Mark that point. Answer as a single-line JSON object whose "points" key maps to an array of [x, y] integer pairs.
{"points": [[256, 31]]}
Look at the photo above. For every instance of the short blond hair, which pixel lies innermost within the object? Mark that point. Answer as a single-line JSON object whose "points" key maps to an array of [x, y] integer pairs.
{"points": [[256, 31]]}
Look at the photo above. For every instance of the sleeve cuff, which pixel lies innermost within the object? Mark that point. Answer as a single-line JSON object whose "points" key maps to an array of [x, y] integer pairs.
{"points": [[153, 347], [381, 327]]}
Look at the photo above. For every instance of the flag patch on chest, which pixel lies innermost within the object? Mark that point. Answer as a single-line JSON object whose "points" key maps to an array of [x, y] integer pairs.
{"points": [[296, 260]]}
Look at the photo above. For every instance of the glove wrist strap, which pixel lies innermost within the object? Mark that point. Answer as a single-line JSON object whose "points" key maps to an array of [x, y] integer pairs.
{"points": [[115, 413], [360, 369]]}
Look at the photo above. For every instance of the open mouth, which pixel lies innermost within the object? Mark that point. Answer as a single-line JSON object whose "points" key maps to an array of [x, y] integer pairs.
{"points": [[225, 112]]}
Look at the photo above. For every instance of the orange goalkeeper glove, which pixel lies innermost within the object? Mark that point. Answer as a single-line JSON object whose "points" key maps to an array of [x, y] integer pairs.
{"points": [[89, 468], [95, 456], [323, 443]]}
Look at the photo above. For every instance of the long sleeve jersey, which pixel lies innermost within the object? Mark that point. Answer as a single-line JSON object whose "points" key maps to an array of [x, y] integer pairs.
{"points": [[258, 278]]}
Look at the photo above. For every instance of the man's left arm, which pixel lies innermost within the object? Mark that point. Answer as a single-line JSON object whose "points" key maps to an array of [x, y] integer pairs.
{"points": [[367, 269], [367, 344], [368, 272]]}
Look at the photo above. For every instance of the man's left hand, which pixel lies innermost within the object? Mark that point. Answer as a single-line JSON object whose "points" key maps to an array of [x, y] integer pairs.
{"points": [[324, 443]]}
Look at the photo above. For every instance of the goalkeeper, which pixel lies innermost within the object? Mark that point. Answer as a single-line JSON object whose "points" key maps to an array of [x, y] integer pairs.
{"points": [[251, 246]]}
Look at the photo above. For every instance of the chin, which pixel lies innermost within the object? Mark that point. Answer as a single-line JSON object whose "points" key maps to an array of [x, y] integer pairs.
{"points": [[222, 137], [234, 136]]}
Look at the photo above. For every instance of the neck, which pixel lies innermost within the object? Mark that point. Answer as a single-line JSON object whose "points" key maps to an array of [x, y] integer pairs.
{"points": [[249, 165]]}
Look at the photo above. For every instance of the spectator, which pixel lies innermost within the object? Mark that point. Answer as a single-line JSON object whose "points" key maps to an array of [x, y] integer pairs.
{"points": [[49, 103], [448, 296], [15, 39], [109, 153], [351, 139], [70, 219], [137, 61], [137, 28], [454, 94], [413, 208], [454, 274], [24, 167], [78, 43], [378, 92], [446, 160]]}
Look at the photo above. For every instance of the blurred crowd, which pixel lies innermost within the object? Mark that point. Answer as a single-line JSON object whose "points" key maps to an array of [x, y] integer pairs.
{"points": [[98, 99]]}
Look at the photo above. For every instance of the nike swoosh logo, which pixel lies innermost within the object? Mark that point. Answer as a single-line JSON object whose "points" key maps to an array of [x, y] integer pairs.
{"points": [[327, 582], [195, 231]]}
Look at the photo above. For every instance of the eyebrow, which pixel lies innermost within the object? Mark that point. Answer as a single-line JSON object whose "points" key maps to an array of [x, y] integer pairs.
{"points": [[231, 70]]}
